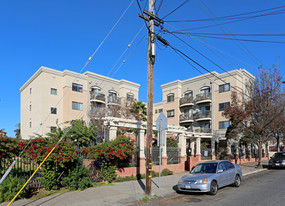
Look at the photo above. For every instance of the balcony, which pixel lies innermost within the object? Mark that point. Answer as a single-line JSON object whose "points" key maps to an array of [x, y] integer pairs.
{"points": [[203, 98], [186, 118], [112, 100], [186, 101], [204, 115], [203, 130], [97, 98]]}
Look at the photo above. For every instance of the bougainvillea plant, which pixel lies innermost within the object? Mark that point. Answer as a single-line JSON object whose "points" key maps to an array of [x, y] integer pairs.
{"points": [[119, 148]]}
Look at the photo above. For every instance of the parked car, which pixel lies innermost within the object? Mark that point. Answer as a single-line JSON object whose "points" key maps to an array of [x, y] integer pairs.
{"points": [[210, 176], [277, 160]]}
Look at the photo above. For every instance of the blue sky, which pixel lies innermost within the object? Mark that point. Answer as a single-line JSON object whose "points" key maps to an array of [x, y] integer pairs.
{"points": [[64, 34]]}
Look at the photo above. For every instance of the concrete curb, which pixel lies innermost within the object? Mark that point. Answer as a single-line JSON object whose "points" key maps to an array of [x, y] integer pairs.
{"points": [[253, 172]]}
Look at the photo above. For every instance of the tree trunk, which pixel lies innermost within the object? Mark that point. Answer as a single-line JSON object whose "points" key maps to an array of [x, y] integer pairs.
{"points": [[259, 154]]}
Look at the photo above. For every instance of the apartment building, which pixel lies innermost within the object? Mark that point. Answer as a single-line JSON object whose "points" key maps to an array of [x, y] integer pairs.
{"points": [[198, 103], [51, 96]]}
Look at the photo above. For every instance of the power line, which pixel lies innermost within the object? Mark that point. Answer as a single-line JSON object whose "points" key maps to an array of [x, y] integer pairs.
{"points": [[228, 38], [225, 34], [186, 1], [243, 46], [231, 16]]}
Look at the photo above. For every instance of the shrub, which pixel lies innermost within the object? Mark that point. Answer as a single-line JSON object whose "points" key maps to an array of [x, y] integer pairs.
{"points": [[49, 179], [78, 177], [107, 171], [166, 172], [10, 187], [127, 178]]}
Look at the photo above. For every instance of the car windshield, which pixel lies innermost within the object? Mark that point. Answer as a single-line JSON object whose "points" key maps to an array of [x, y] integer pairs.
{"points": [[205, 168], [279, 155]]}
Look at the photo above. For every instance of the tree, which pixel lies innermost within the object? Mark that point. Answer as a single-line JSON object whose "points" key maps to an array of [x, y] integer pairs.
{"points": [[80, 133], [258, 111], [57, 133], [140, 110], [18, 131]]}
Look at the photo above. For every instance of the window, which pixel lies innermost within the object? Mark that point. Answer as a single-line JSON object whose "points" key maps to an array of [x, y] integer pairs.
{"points": [[188, 94], [229, 165], [53, 110], [77, 106], [224, 124], [96, 90], [77, 87], [130, 97], [53, 91], [223, 106], [30, 90], [224, 87], [30, 124], [30, 107], [170, 113], [170, 97], [205, 91], [156, 111], [160, 110], [52, 129]]}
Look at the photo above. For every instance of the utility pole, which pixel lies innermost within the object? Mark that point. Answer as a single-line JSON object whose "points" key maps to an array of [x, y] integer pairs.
{"points": [[151, 59], [150, 66]]}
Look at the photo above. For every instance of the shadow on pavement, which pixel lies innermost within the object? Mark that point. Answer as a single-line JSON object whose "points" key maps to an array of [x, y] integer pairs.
{"points": [[40, 203], [142, 185]]}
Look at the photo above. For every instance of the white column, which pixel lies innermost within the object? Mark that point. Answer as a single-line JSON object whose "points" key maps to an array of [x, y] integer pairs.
{"points": [[192, 146], [112, 133], [164, 148], [141, 143], [213, 144], [198, 146], [182, 144]]}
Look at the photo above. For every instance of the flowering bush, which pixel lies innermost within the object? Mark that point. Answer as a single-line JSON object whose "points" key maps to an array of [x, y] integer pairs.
{"points": [[108, 154], [8, 148], [59, 162], [118, 149]]}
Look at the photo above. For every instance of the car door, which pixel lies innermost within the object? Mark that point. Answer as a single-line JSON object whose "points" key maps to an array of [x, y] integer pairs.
{"points": [[231, 172], [222, 176]]}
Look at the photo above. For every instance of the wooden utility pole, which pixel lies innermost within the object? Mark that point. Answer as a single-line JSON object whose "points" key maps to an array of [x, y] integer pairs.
{"points": [[151, 59]]}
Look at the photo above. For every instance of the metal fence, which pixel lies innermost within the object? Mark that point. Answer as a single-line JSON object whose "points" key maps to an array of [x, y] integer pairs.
{"points": [[22, 170], [173, 155]]}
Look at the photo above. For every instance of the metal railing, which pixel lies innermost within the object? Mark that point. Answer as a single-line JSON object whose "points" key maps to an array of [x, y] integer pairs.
{"points": [[186, 100], [114, 100], [203, 114], [203, 96], [186, 116], [100, 97]]}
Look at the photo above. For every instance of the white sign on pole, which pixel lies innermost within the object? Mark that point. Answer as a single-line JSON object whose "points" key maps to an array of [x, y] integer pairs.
{"points": [[161, 125]]}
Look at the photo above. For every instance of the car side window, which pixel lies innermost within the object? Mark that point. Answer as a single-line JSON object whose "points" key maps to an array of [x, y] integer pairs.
{"points": [[222, 166], [229, 165]]}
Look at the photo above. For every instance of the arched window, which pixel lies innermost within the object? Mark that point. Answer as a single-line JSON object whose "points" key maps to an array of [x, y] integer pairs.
{"points": [[130, 96], [96, 90], [170, 97], [188, 94], [205, 90]]}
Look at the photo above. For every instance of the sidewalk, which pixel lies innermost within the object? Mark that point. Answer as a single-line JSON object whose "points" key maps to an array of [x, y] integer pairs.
{"points": [[124, 193]]}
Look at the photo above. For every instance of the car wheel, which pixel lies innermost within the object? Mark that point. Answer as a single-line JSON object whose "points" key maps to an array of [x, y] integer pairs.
{"points": [[213, 188], [237, 181]]}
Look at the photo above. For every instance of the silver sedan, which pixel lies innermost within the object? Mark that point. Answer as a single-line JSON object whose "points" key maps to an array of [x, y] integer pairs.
{"points": [[209, 176]]}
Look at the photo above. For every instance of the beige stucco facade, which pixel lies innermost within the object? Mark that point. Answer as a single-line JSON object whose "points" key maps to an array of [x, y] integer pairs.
{"points": [[197, 100], [37, 99]]}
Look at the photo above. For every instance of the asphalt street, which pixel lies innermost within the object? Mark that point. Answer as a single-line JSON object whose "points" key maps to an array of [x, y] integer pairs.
{"points": [[262, 189]]}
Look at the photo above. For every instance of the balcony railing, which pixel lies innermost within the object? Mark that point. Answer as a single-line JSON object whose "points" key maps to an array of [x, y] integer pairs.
{"points": [[100, 97], [114, 100], [203, 114], [186, 100], [203, 130], [204, 96], [186, 117]]}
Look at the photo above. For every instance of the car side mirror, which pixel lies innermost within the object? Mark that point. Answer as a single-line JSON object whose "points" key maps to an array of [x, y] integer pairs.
{"points": [[220, 171]]}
